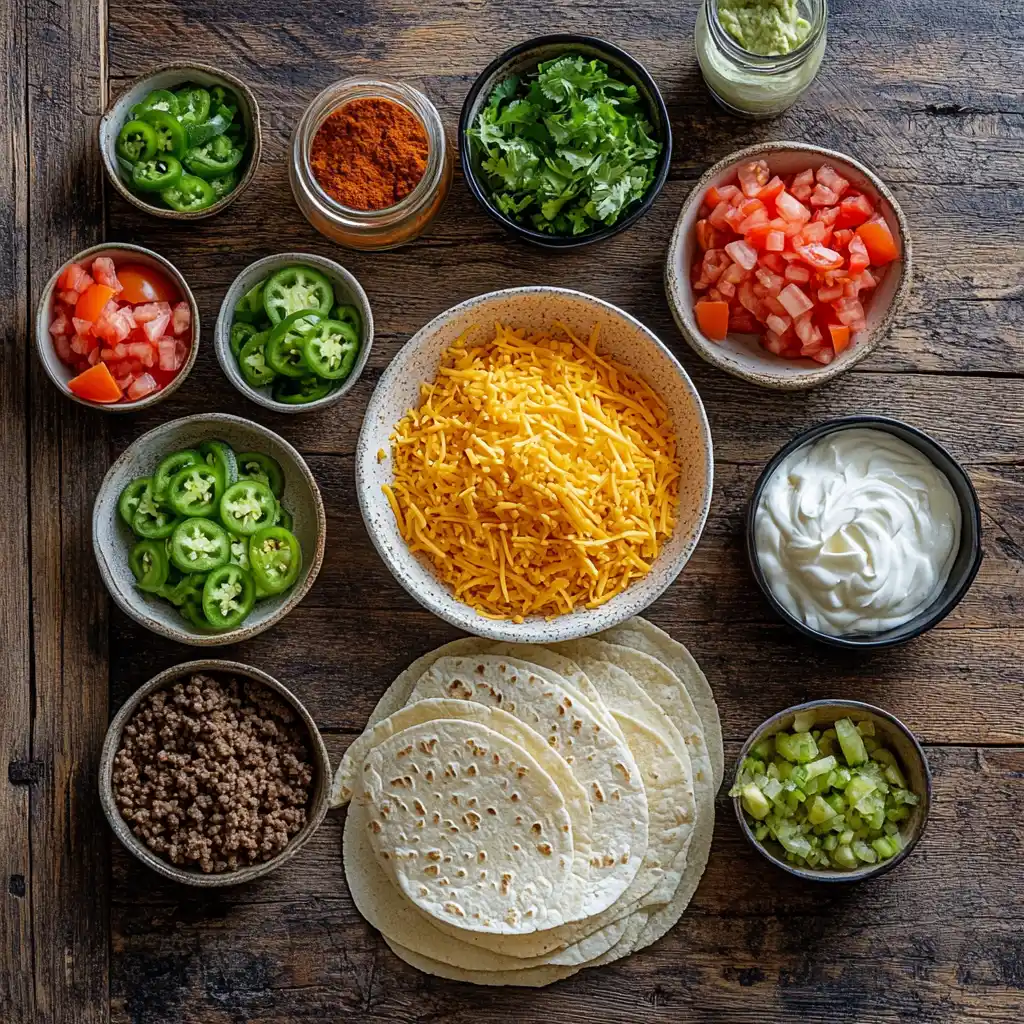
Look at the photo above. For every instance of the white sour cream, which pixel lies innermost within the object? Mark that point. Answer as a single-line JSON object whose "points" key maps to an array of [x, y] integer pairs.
{"points": [[857, 532]]}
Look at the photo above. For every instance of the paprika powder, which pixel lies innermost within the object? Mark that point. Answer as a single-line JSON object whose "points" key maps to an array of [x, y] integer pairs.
{"points": [[370, 153]]}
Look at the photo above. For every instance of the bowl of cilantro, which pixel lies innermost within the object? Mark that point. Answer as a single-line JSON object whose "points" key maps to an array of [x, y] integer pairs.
{"points": [[565, 140]]}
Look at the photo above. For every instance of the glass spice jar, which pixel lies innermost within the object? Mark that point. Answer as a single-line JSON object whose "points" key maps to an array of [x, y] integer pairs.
{"points": [[371, 229], [750, 84]]}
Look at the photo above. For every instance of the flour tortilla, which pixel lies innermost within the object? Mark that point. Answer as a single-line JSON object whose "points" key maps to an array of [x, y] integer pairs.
{"points": [[497, 861], [646, 637]]}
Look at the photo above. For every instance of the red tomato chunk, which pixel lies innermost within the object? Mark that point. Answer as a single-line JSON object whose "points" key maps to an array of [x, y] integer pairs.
{"points": [[144, 345], [793, 258]]}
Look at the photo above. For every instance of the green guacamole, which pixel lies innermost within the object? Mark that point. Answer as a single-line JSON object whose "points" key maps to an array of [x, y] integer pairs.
{"points": [[765, 27]]}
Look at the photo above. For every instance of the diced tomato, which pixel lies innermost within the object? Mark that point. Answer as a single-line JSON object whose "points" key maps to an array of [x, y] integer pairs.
{"points": [[142, 352], [75, 278], [819, 257], [69, 297], [778, 324], [753, 177], [96, 385], [155, 329], [854, 211], [773, 261], [717, 217], [168, 355], [144, 284], [775, 241], [743, 254], [712, 319], [828, 176], [877, 237], [824, 356], [795, 301], [851, 313], [59, 325], [741, 321], [142, 386], [93, 301], [734, 275], [772, 283], [803, 184], [104, 273], [823, 196], [62, 343], [757, 235], [150, 311], [797, 272], [715, 262], [771, 190], [841, 238], [791, 209], [755, 219], [859, 259], [830, 293], [704, 230], [826, 215], [94, 356], [726, 288], [720, 194], [734, 218], [840, 337], [810, 233]]}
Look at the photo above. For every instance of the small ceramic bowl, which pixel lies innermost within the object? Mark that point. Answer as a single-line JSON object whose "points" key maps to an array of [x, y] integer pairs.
{"points": [[112, 540], [897, 737], [60, 373], [965, 566], [318, 805], [741, 354], [521, 60], [346, 290], [534, 309], [171, 76]]}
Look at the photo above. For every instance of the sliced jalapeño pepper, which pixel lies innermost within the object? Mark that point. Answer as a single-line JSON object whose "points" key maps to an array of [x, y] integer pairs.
{"points": [[252, 361], [128, 503], [193, 105], [197, 134], [264, 468], [249, 308], [348, 314], [169, 468], [188, 588], [152, 521], [248, 506], [157, 174], [296, 288], [331, 349], [284, 517], [196, 491], [300, 390], [148, 563], [241, 332], [239, 552], [276, 559], [189, 194], [170, 136], [159, 99], [199, 545], [136, 141], [215, 157], [221, 456], [224, 184], [228, 596], [193, 612], [220, 96], [285, 346]]}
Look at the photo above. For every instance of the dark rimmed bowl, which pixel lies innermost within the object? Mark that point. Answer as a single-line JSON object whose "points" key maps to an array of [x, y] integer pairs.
{"points": [[525, 57], [904, 745], [169, 76], [965, 566], [318, 804]]}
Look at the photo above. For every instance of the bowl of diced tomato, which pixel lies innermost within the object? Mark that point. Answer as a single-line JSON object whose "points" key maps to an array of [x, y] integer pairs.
{"points": [[117, 328], [788, 264]]}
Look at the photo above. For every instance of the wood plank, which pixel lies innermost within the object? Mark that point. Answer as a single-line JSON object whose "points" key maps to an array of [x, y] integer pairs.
{"points": [[937, 940], [68, 456], [17, 994]]}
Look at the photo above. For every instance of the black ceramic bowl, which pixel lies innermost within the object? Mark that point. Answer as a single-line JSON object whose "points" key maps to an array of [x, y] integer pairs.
{"points": [[524, 58], [898, 738], [965, 565]]}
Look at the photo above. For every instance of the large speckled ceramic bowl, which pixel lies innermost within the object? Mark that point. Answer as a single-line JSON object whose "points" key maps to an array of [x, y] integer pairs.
{"points": [[60, 373], [742, 355], [173, 76], [315, 812], [347, 290], [535, 309], [112, 540]]}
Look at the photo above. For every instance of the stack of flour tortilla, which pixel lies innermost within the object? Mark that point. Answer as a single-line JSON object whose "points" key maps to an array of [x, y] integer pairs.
{"points": [[519, 812]]}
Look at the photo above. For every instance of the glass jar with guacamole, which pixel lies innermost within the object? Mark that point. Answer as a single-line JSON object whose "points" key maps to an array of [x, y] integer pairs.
{"points": [[758, 56]]}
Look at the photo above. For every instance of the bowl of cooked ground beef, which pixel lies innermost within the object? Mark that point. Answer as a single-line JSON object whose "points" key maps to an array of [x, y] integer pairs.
{"points": [[213, 774]]}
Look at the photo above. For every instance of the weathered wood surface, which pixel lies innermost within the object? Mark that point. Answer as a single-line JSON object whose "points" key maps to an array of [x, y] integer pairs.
{"points": [[925, 91]]}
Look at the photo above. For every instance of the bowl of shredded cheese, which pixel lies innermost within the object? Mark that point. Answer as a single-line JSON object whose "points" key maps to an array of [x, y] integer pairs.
{"points": [[535, 465]]}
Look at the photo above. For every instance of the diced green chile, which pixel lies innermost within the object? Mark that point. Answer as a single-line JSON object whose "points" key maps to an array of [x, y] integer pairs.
{"points": [[331, 349], [200, 545], [136, 141], [296, 288], [285, 349], [248, 506], [252, 362], [128, 503], [151, 520], [170, 136], [169, 467], [213, 158], [196, 491], [300, 390], [148, 563], [228, 596], [276, 559], [264, 468], [156, 174], [189, 195]]}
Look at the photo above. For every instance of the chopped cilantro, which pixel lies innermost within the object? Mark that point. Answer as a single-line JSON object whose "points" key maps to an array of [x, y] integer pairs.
{"points": [[566, 148]]}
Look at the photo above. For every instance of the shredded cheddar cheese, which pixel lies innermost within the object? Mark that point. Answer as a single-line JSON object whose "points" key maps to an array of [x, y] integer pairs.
{"points": [[536, 474]]}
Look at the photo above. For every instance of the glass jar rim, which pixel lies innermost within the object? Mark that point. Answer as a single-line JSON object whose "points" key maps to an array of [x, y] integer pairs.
{"points": [[767, 64], [333, 98]]}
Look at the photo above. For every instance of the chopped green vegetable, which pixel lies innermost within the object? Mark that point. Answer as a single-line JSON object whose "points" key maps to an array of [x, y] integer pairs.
{"points": [[852, 742]]}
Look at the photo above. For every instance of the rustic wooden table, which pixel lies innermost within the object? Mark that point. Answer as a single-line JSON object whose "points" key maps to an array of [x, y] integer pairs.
{"points": [[928, 92]]}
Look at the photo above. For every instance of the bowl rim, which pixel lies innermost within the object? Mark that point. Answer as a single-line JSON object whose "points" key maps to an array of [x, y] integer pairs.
{"points": [[463, 615], [42, 334], [242, 632], [320, 800], [940, 608], [617, 56], [244, 91], [779, 379], [869, 870], [222, 332]]}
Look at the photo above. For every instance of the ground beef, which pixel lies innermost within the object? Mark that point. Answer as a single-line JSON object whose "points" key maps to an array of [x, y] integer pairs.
{"points": [[214, 773]]}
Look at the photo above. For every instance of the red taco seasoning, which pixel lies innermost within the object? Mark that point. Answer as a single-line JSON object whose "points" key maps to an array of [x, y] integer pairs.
{"points": [[370, 153]]}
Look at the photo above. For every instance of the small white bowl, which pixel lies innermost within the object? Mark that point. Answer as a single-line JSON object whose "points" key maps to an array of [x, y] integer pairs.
{"points": [[534, 309], [60, 373], [112, 540], [171, 76], [741, 354], [346, 290]]}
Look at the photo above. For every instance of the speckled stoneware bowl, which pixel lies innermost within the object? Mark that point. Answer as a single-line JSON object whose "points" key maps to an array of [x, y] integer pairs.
{"points": [[60, 373], [112, 540], [535, 309], [171, 76], [742, 355], [897, 737], [318, 804], [346, 290]]}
